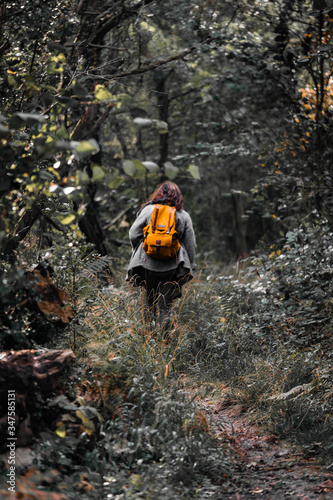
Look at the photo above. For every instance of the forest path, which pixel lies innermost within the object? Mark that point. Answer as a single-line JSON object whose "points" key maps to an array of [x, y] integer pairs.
{"points": [[266, 467]]}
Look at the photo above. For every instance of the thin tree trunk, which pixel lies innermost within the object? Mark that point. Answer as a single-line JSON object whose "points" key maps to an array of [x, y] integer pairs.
{"points": [[12, 241], [238, 224], [163, 114]]}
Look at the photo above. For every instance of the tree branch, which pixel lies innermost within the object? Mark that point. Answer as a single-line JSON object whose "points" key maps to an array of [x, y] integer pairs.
{"points": [[12, 241], [125, 13], [155, 64]]}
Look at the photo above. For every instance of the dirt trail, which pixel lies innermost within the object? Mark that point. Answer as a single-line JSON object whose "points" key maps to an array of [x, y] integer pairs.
{"points": [[266, 467]]}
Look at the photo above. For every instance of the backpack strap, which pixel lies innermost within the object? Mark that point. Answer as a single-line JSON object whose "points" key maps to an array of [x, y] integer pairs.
{"points": [[172, 211], [155, 220]]}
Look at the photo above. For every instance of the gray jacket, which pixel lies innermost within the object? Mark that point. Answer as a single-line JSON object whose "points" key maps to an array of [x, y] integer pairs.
{"points": [[184, 262]]}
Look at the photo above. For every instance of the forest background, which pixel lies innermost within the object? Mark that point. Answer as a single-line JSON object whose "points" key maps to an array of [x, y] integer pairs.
{"points": [[102, 101]]}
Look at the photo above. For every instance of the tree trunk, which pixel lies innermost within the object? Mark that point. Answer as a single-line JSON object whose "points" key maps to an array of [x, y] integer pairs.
{"points": [[90, 225], [239, 226], [12, 241], [163, 113]]}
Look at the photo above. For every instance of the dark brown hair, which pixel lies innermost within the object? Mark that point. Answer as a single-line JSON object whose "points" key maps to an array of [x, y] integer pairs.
{"points": [[168, 193]]}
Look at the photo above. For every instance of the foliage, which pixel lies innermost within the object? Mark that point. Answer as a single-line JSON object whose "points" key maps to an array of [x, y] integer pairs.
{"points": [[267, 331], [93, 116], [127, 417], [234, 97]]}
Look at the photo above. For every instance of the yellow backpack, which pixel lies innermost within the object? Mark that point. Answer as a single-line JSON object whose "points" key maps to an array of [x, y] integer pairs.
{"points": [[160, 238]]}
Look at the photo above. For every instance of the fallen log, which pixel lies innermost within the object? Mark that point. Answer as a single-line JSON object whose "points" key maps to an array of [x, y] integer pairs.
{"points": [[28, 376]]}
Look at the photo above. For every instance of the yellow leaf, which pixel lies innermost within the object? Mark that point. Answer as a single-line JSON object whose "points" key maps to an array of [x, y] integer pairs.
{"points": [[68, 219], [89, 426], [102, 94], [61, 430]]}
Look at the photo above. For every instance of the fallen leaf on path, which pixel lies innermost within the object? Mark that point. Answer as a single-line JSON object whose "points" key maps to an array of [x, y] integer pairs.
{"points": [[53, 299], [325, 486]]}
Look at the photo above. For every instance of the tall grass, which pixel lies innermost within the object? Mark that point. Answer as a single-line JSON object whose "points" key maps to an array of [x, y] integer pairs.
{"points": [[234, 335], [149, 439]]}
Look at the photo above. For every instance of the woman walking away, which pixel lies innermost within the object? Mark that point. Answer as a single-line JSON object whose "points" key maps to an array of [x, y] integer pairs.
{"points": [[163, 257]]}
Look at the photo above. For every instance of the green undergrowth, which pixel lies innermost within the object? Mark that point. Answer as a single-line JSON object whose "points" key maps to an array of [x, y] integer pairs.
{"points": [[262, 330], [266, 332], [126, 426]]}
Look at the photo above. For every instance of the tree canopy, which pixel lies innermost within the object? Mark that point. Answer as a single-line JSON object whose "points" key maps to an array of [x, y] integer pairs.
{"points": [[100, 103]]}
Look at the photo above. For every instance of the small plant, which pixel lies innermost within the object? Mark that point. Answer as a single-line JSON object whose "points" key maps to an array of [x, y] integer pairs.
{"points": [[265, 331]]}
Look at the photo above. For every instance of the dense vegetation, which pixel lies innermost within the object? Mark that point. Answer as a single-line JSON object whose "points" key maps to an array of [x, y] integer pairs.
{"points": [[99, 104]]}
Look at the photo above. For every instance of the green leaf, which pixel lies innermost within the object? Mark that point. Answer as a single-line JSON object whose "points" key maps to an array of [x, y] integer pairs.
{"points": [[194, 171], [66, 219], [171, 171], [82, 178], [67, 145], [319, 4], [88, 424], [112, 174], [62, 133], [102, 94], [12, 81], [79, 90], [116, 182], [20, 119], [152, 167], [85, 148], [142, 122], [98, 173], [162, 127], [56, 47], [4, 131], [30, 85], [112, 179], [129, 168], [66, 100], [124, 101], [61, 430], [140, 169], [55, 65], [44, 174], [69, 190]]}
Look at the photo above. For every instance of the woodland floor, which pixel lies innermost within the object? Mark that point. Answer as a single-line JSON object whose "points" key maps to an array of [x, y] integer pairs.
{"points": [[266, 467]]}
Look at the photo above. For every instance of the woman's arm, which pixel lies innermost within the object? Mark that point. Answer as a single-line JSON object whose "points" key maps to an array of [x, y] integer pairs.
{"points": [[188, 238], [136, 230]]}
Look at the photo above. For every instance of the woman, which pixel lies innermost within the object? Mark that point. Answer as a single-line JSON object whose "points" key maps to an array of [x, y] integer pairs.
{"points": [[162, 279]]}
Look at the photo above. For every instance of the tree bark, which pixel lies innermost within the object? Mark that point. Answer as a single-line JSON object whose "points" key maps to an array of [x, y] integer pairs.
{"points": [[238, 224], [90, 225], [163, 112], [12, 241]]}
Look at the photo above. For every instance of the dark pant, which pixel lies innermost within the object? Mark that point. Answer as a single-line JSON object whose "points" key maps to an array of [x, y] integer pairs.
{"points": [[161, 290]]}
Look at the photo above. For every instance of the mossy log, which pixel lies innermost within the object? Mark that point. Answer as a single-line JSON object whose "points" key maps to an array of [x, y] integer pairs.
{"points": [[30, 375]]}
